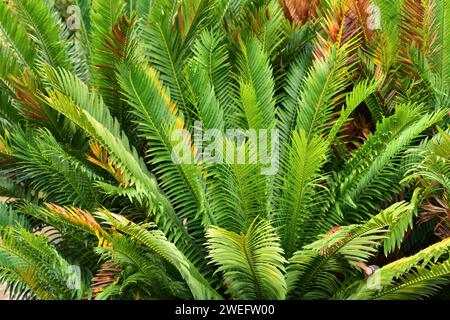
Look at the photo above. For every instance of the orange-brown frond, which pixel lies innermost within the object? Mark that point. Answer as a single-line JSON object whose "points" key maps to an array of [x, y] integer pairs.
{"points": [[300, 11], [78, 216], [26, 93], [100, 157], [106, 275]]}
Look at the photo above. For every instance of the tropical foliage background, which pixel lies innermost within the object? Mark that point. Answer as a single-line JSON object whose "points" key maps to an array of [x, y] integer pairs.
{"points": [[90, 98]]}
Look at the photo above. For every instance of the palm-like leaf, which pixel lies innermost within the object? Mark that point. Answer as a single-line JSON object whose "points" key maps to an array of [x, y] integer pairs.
{"points": [[317, 264], [252, 263], [157, 242], [415, 277], [41, 20]]}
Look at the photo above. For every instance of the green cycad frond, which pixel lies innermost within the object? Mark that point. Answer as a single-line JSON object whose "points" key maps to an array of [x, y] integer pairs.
{"points": [[10, 189], [165, 53], [289, 107], [77, 222], [390, 17], [70, 221], [253, 190], [235, 13], [157, 242], [374, 167], [252, 263], [143, 9], [255, 110], [431, 90], [209, 110], [435, 163], [128, 113], [417, 29], [264, 23], [322, 90], [419, 284], [49, 169], [31, 266], [233, 211], [143, 269], [415, 277], [256, 90], [46, 31], [9, 68], [85, 8], [224, 198], [72, 98], [88, 111], [14, 36], [301, 174], [246, 198], [194, 17], [72, 231], [299, 185], [110, 40], [360, 93], [272, 34], [161, 125], [79, 56], [9, 217], [442, 58], [210, 61], [104, 15], [312, 273]]}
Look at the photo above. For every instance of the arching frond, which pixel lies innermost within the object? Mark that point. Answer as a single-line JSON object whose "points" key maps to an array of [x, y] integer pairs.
{"points": [[33, 268], [256, 87], [88, 111], [166, 54], [415, 277], [322, 90], [211, 56], [252, 263], [141, 269], [381, 161], [14, 36], [157, 242], [435, 163], [110, 36], [49, 169], [161, 125], [299, 186], [312, 273], [47, 32]]}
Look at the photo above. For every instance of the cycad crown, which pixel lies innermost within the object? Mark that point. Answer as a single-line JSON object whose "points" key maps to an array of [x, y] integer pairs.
{"points": [[358, 93]]}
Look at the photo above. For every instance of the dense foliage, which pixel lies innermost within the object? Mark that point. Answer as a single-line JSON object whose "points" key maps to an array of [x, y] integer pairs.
{"points": [[359, 92]]}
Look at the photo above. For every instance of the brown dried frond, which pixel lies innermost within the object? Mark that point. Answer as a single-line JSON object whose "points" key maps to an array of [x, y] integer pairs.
{"points": [[339, 27], [300, 11], [357, 129], [438, 209], [106, 275], [359, 8], [26, 93], [326, 251], [416, 31], [78, 216], [119, 35], [101, 158]]}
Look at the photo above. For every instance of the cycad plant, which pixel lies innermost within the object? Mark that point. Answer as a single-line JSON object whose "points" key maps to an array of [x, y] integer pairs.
{"points": [[97, 97]]}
